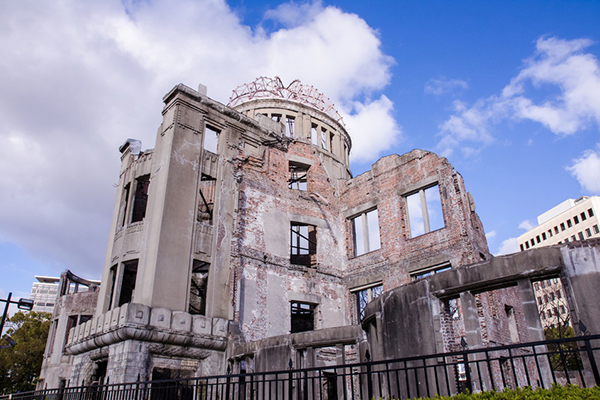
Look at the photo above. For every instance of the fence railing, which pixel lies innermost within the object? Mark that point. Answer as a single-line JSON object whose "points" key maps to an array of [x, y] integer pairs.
{"points": [[535, 364]]}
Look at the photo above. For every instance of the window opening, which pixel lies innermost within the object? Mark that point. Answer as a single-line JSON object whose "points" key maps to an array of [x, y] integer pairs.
{"points": [[324, 138], [569, 224], [543, 235], [583, 216], [198, 287], [512, 323], [298, 176], [289, 126], [364, 296], [124, 203], [588, 232], [365, 229], [521, 246], [596, 230], [436, 269], [576, 219], [580, 234], [590, 212], [425, 211], [206, 202], [331, 139], [140, 199], [276, 117], [314, 134], [556, 229], [302, 317], [303, 244], [128, 282], [211, 139], [113, 280]]}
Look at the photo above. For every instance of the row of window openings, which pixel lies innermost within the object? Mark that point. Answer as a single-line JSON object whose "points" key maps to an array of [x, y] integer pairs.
{"points": [[303, 314], [548, 313], [549, 297], [424, 217], [545, 283], [553, 231], [325, 138]]}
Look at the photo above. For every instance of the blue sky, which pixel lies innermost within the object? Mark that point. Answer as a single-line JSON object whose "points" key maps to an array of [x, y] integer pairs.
{"points": [[509, 91]]}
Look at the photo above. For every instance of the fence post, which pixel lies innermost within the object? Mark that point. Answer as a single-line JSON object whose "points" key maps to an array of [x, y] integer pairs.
{"points": [[290, 379], [465, 346], [369, 381], [592, 359], [228, 382]]}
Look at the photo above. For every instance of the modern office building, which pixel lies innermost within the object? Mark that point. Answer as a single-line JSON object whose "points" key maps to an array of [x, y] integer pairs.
{"points": [[570, 221], [44, 293]]}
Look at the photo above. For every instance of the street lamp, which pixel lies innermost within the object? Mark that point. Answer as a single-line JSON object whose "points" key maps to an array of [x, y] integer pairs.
{"points": [[22, 304]]}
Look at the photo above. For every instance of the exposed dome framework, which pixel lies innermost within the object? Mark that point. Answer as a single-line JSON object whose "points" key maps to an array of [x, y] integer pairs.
{"points": [[264, 87]]}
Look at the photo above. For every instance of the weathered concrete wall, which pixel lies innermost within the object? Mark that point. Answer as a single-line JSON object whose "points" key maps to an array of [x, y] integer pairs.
{"points": [[412, 319]]}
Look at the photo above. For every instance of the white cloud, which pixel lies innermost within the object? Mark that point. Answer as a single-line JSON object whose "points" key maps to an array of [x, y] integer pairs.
{"points": [[508, 246], [79, 78], [491, 234], [566, 78], [440, 86], [372, 128], [586, 170], [526, 225]]}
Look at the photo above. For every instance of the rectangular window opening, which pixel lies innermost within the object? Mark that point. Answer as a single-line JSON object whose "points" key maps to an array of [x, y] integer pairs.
{"points": [[198, 287], [206, 201], [590, 212], [314, 135], [569, 224], [365, 233], [128, 282], [425, 211], [583, 216], [576, 219], [211, 139], [303, 244], [364, 296], [289, 126], [140, 198], [324, 138], [562, 226], [302, 317], [124, 204], [298, 177]]}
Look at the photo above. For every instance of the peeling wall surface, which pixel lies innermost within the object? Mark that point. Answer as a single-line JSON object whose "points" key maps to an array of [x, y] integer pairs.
{"points": [[242, 240]]}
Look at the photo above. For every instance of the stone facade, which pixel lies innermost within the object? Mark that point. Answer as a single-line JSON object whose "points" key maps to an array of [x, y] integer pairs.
{"points": [[242, 240]]}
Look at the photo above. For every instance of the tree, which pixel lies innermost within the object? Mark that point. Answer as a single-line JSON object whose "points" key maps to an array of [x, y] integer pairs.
{"points": [[21, 363]]}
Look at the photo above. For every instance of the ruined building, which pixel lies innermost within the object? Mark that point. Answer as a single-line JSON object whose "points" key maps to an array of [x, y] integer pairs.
{"points": [[242, 240]]}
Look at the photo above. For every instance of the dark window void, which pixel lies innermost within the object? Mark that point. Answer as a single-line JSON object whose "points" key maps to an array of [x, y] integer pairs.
{"points": [[128, 282], [303, 244], [302, 317], [198, 287], [100, 371], [364, 296], [425, 211], [206, 202], [298, 178], [365, 232], [140, 199], [71, 323], [112, 279], [124, 203]]}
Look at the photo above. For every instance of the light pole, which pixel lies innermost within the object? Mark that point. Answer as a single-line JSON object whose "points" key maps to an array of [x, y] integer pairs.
{"points": [[22, 304]]}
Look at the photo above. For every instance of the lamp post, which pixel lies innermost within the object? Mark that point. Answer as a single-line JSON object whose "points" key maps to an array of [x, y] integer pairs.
{"points": [[22, 304]]}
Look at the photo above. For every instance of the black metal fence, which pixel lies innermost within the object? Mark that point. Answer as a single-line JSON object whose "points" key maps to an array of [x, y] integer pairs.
{"points": [[535, 364]]}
